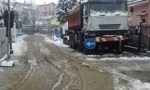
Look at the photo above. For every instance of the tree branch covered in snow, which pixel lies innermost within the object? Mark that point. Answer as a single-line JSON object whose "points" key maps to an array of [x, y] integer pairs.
{"points": [[63, 7]]}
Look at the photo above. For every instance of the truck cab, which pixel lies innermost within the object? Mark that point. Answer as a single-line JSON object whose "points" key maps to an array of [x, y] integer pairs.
{"points": [[105, 15], [106, 21]]}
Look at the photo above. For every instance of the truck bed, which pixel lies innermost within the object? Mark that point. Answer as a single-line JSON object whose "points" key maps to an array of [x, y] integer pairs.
{"points": [[74, 19]]}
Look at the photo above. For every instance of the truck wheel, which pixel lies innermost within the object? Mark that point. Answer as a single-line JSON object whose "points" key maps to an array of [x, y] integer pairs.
{"points": [[85, 51], [79, 47], [73, 46], [99, 49], [70, 44], [118, 51], [65, 40]]}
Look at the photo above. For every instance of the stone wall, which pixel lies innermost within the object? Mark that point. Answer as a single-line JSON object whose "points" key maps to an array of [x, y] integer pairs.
{"points": [[14, 33], [3, 42]]}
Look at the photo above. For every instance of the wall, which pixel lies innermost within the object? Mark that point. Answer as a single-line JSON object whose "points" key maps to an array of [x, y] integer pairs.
{"points": [[134, 21], [46, 10], [3, 42]]}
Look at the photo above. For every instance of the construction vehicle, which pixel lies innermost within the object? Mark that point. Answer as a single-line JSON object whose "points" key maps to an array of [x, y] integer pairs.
{"points": [[64, 33], [98, 25]]}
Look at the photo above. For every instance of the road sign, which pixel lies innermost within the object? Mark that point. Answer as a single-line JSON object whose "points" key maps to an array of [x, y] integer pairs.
{"points": [[90, 43]]}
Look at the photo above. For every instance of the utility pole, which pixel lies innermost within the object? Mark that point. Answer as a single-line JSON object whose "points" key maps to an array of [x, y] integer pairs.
{"points": [[9, 42], [8, 30]]}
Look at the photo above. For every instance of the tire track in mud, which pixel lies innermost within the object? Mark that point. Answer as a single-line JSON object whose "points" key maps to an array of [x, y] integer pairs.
{"points": [[42, 57], [27, 76], [62, 75], [75, 64], [41, 60], [59, 82], [48, 60], [78, 68], [34, 63], [54, 60], [58, 55]]}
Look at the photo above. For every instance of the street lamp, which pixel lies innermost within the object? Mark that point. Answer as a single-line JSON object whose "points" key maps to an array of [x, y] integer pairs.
{"points": [[9, 43]]}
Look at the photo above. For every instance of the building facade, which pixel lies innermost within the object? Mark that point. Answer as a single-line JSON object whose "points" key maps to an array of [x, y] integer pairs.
{"points": [[26, 12], [46, 12], [3, 38], [141, 12]]}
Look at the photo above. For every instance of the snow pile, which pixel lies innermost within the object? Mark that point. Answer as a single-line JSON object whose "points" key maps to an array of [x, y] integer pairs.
{"points": [[3, 58], [57, 41], [138, 85], [119, 58], [123, 82], [127, 58], [116, 13], [19, 46], [132, 85], [40, 34], [57, 38]]}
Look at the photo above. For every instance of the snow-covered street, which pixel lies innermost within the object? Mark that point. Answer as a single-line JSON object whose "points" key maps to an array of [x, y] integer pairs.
{"points": [[45, 64]]}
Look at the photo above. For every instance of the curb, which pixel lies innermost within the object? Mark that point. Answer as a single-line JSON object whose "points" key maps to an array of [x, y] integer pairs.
{"points": [[3, 58], [5, 63]]}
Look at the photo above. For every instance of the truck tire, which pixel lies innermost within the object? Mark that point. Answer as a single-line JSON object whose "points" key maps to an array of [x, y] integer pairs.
{"points": [[65, 41], [119, 50], [70, 44], [79, 47]]}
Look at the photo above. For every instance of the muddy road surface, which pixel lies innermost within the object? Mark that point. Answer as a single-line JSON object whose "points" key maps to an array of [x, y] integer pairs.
{"points": [[54, 68]]}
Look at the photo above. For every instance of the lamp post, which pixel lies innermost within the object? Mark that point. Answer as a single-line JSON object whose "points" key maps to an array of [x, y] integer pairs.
{"points": [[9, 43], [8, 31]]}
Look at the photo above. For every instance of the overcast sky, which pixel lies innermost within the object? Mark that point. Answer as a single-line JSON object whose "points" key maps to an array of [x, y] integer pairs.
{"points": [[37, 1]]}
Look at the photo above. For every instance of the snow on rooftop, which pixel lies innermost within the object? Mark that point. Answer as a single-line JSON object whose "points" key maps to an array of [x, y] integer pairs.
{"points": [[116, 13], [19, 46]]}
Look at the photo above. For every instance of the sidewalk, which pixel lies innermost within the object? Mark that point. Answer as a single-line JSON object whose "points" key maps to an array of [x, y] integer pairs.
{"points": [[11, 76]]}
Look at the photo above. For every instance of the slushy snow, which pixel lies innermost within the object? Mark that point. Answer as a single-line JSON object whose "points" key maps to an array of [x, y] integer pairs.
{"points": [[57, 41], [19, 46]]}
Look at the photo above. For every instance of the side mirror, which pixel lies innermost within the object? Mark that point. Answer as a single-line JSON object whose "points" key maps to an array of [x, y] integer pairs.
{"points": [[131, 9]]}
